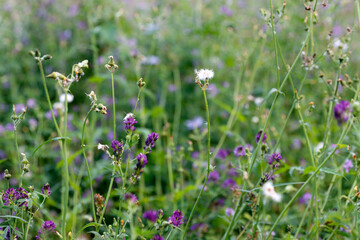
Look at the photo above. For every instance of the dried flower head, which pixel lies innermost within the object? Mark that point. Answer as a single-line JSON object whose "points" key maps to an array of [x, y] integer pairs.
{"points": [[204, 74]]}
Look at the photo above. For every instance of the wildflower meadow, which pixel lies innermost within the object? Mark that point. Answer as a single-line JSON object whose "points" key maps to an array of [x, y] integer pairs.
{"points": [[179, 119]]}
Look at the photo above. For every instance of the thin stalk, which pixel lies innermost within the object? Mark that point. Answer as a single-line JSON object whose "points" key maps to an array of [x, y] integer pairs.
{"points": [[17, 151], [66, 172], [302, 221], [274, 42], [345, 131], [113, 98], [208, 167], [177, 114], [87, 166]]}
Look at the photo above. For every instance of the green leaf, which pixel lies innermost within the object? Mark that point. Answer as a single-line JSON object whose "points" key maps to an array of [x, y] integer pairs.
{"points": [[274, 90], [11, 216], [48, 141], [92, 224]]}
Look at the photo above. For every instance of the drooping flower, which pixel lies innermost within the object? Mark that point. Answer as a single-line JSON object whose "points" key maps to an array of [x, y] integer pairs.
{"points": [[239, 151], [348, 165], [46, 189], [150, 141], [150, 215], [341, 111], [258, 135], [204, 74], [176, 218], [129, 122], [269, 192]]}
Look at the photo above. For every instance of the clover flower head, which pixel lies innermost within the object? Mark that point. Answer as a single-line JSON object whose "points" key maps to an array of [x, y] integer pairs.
{"points": [[176, 218], [46, 189]]}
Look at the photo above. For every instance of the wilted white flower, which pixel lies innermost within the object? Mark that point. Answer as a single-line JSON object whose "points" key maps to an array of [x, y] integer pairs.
{"points": [[269, 191], [338, 44], [83, 64], [319, 147], [102, 147], [58, 106], [70, 97], [128, 116], [204, 74]]}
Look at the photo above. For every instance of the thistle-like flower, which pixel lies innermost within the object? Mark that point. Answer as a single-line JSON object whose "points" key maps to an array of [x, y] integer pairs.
{"points": [[204, 74]]}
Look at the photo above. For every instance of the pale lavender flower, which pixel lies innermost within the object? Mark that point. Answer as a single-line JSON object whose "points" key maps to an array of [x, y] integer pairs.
{"points": [[229, 212], [239, 151], [65, 35], [305, 198], [228, 183], [31, 103], [226, 11], [214, 176], [172, 88], [348, 165], [194, 123], [212, 90]]}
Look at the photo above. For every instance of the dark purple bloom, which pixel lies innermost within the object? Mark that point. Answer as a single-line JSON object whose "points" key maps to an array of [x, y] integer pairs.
{"points": [[259, 135], [228, 183], [341, 111], [348, 165], [129, 123], [118, 148], [150, 215], [275, 158], [157, 237], [214, 176], [142, 160], [46, 189], [23, 195], [150, 141], [239, 151], [176, 218], [10, 196]]}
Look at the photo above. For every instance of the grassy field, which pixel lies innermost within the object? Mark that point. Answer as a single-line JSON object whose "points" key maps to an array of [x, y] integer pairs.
{"points": [[179, 119]]}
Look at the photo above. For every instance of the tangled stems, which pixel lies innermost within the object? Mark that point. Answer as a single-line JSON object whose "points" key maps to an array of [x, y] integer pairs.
{"points": [[87, 165], [208, 167], [344, 133]]}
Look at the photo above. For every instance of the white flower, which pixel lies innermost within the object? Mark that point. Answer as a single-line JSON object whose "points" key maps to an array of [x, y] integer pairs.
{"points": [[70, 98], [83, 64], [204, 74], [59, 107], [269, 191], [129, 115], [319, 147], [102, 147], [338, 44]]}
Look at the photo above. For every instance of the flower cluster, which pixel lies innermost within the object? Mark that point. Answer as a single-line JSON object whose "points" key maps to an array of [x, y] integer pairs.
{"points": [[176, 218], [150, 215], [157, 237], [118, 148], [258, 135], [150, 141], [14, 196], [46, 227], [46, 190], [141, 162], [274, 162], [129, 122], [341, 111], [99, 203]]}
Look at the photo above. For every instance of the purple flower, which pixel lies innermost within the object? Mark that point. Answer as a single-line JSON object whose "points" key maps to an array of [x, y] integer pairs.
{"points": [[10, 196], [259, 135], [142, 161], [214, 176], [305, 198], [47, 226], [150, 215], [117, 148], [275, 158], [65, 35], [239, 151], [212, 90], [157, 237], [229, 212], [48, 114], [348, 165], [129, 122], [150, 141], [222, 154], [228, 183], [341, 111], [31, 103], [23, 196], [176, 218], [46, 189], [172, 88], [226, 11], [131, 197]]}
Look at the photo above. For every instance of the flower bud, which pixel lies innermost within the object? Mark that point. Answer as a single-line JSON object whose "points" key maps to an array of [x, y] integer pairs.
{"points": [[7, 174]]}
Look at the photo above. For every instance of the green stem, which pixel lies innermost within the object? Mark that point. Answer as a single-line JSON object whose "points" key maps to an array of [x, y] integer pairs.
{"points": [[66, 172], [113, 98], [274, 42], [87, 166], [208, 167], [18, 153]]}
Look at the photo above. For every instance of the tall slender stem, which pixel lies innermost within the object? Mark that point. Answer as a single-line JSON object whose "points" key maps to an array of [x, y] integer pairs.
{"points": [[113, 98], [208, 167], [66, 171], [87, 166]]}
